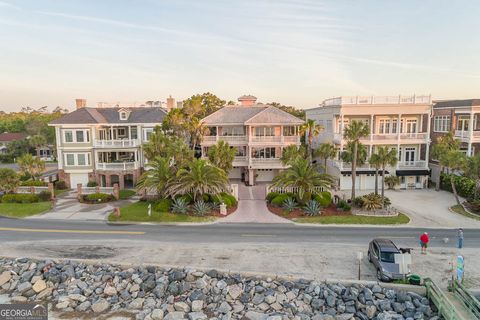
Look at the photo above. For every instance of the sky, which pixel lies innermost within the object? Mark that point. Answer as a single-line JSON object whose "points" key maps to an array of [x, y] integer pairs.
{"points": [[293, 52]]}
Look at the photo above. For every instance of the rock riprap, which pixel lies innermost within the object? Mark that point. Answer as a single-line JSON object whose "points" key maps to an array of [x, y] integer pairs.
{"points": [[163, 293]]}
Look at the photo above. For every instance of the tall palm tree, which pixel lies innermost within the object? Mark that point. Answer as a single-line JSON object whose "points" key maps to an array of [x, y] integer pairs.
{"points": [[454, 160], [291, 153], [386, 157], [157, 176], [222, 155], [37, 141], [353, 133], [375, 162], [197, 130], [310, 129], [303, 176], [326, 151], [30, 165], [441, 147], [199, 178]]}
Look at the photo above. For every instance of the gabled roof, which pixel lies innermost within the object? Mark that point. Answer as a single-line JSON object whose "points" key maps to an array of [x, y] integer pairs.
{"points": [[11, 136], [256, 114], [457, 103], [112, 115]]}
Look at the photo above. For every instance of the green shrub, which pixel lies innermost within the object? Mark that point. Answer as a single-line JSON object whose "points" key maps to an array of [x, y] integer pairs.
{"points": [[358, 202], [343, 205], [98, 197], [323, 198], [33, 183], [180, 205], [228, 199], [279, 200], [201, 208], [271, 195], [289, 205], [464, 185], [20, 198], [92, 184], [60, 185], [163, 205], [188, 198], [6, 158], [312, 208], [45, 195]]}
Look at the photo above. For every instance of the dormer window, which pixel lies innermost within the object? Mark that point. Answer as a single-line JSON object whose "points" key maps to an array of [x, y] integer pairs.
{"points": [[123, 114]]}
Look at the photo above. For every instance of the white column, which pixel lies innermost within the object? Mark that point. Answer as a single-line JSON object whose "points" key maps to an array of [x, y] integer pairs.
{"points": [[470, 134], [111, 132], [399, 126], [129, 133], [427, 140]]}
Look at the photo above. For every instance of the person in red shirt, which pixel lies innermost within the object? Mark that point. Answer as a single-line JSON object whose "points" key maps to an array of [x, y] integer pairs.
{"points": [[424, 242]]}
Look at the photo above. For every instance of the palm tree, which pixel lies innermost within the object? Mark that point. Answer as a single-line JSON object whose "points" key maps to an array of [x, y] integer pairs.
{"points": [[454, 160], [199, 178], [310, 129], [30, 165], [222, 155], [441, 147], [197, 130], [386, 157], [291, 153], [353, 133], [37, 141], [375, 162], [472, 170], [303, 176], [167, 146], [326, 151], [157, 176]]}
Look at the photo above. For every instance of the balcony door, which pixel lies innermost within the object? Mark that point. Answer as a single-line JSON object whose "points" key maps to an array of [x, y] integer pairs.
{"points": [[462, 123], [411, 126], [410, 155]]}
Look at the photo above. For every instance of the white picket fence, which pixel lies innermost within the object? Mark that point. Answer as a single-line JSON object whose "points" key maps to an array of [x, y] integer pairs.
{"points": [[30, 190], [90, 190], [269, 189]]}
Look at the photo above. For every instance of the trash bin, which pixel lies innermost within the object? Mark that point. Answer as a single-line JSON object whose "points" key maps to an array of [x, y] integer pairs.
{"points": [[414, 279]]}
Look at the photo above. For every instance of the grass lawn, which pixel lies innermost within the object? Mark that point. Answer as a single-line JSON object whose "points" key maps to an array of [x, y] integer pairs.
{"points": [[125, 194], [138, 212], [59, 192], [400, 219], [22, 210], [459, 209]]}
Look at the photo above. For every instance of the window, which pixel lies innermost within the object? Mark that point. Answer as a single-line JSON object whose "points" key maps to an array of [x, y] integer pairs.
{"points": [[123, 115], [77, 159], [233, 131], [68, 136], [441, 123], [462, 123], [122, 132], [133, 132], [147, 133], [264, 153], [264, 131], [79, 136], [70, 159]]}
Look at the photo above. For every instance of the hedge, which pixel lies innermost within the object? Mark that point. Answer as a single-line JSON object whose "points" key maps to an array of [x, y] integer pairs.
{"points": [[163, 205], [60, 185], [271, 195], [98, 197], [323, 198], [20, 198], [33, 183], [280, 199], [464, 185], [228, 199]]}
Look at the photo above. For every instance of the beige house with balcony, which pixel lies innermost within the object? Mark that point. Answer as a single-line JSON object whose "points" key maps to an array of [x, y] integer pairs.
{"points": [[104, 144], [258, 132], [399, 122]]}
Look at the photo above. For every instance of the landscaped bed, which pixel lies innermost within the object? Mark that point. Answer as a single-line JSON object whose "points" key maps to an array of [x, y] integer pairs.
{"points": [[138, 212], [22, 210], [460, 210], [353, 219]]}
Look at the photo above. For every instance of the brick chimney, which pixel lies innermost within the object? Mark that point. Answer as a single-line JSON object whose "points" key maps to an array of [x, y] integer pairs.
{"points": [[247, 100], [81, 103]]}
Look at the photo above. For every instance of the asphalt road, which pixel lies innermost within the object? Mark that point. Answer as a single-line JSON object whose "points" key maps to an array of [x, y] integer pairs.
{"points": [[31, 230]]}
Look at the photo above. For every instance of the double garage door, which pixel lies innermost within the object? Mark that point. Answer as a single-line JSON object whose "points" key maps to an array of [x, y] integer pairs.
{"points": [[362, 182], [265, 175], [76, 178]]}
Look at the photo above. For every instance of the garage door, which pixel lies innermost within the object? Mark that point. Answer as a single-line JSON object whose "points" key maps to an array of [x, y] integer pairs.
{"points": [[76, 178], [265, 175], [235, 173]]}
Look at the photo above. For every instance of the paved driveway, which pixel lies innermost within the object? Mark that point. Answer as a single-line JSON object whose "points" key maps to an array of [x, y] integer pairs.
{"points": [[252, 207]]}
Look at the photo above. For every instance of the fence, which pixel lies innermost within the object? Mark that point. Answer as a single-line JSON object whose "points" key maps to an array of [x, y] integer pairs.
{"points": [[269, 189], [466, 298], [31, 190], [444, 306]]}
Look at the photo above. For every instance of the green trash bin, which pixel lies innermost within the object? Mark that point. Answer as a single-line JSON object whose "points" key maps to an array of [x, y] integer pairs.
{"points": [[414, 279]]}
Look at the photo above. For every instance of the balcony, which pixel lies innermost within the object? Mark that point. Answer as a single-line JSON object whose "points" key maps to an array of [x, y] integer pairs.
{"points": [[267, 163], [384, 138], [240, 161], [124, 143], [385, 100], [230, 139], [116, 166], [420, 164], [267, 139]]}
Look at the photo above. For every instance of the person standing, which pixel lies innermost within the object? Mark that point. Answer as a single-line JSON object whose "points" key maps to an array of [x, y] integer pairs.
{"points": [[424, 242], [460, 238]]}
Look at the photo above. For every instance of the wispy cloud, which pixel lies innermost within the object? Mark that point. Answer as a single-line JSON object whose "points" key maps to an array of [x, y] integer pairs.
{"points": [[9, 5]]}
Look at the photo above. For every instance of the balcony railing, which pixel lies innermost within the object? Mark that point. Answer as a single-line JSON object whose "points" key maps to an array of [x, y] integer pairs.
{"points": [[412, 164], [422, 99], [125, 143], [466, 134], [266, 160], [291, 139], [266, 139], [387, 137], [117, 165], [229, 139], [415, 135]]}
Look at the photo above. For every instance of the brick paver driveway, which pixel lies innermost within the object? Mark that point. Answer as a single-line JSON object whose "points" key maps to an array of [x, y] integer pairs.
{"points": [[252, 207]]}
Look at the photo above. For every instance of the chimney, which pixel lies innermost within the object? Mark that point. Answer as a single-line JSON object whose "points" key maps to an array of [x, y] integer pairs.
{"points": [[247, 100], [81, 103], [170, 103]]}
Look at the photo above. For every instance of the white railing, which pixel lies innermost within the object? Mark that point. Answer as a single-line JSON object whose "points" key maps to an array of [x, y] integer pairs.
{"points": [[289, 139], [476, 133], [229, 139], [266, 139], [266, 160], [125, 143], [389, 136], [117, 165], [412, 164], [377, 137], [462, 133], [294, 190], [90, 190], [414, 99], [29, 189], [414, 135]]}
